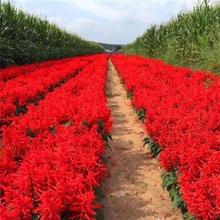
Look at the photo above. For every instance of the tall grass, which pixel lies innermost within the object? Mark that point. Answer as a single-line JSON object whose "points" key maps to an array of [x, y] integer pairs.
{"points": [[191, 39], [26, 38]]}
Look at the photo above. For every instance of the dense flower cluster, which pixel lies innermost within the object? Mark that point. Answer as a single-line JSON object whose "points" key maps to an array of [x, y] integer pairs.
{"points": [[24, 88], [14, 71], [51, 156], [183, 117]]}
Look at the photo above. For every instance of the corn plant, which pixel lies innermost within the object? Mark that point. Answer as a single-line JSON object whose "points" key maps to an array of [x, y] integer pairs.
{"points": [[25, 38], [182, 40]]}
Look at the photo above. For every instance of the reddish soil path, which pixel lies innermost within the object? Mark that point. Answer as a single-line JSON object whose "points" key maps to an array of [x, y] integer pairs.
{"points": [[134, 190]]}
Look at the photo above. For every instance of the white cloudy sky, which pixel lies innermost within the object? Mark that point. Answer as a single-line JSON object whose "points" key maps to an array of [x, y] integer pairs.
{"points": [[109, 21]]}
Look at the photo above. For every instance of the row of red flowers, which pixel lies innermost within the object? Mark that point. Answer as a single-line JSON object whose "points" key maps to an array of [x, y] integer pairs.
{"points": [[51, 156], [14, 71], [16, 92], [183, 117]]}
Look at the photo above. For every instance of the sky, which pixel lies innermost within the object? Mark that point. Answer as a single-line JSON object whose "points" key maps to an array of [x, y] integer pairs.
{"points": [[107, 21]]}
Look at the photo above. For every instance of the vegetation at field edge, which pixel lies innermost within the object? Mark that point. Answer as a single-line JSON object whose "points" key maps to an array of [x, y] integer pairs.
{"points": [[191, 39], [25, 38]]}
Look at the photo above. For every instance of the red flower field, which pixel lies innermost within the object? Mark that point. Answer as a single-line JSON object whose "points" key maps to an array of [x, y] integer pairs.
{"points": [[51, 156], [54, 123], [183, 116]]}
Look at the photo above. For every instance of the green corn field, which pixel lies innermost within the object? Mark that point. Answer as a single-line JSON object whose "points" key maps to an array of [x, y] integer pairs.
{"points": [[191, 39], [25, 39]]}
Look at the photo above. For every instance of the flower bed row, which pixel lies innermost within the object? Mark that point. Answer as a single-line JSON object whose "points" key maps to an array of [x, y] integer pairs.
{"points": [[14, 71], [182, 116], [51, 156], [16, 93]]}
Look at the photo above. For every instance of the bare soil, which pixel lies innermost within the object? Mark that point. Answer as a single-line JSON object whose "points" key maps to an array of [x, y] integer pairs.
{"points": [[134, 189]]}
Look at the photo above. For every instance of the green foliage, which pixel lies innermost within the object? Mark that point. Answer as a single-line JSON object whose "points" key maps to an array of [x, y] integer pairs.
{"points": [[152, 146], [100, 194], [100, 214], [141, 114], [129, 95], [185, 40], [210, 58], [105, 136], [26, 38], [170, 183]]}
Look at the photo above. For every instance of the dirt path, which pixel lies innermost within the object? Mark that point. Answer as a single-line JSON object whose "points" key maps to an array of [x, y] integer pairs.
{"points": [[134, 191]]}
